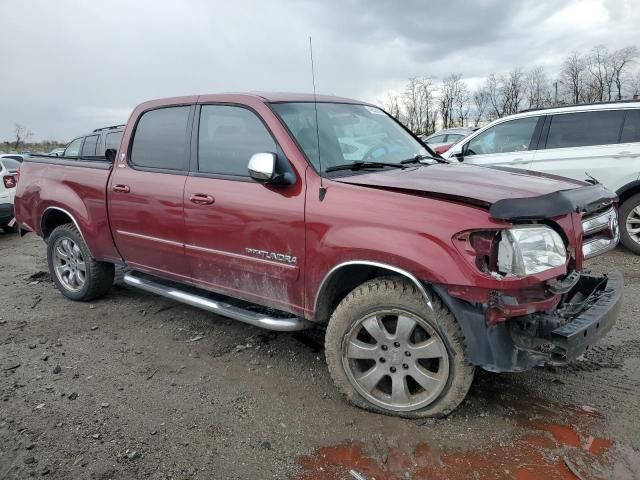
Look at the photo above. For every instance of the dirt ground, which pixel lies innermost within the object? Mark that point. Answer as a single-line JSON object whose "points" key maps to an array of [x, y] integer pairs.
{"points": [[135, 386]]}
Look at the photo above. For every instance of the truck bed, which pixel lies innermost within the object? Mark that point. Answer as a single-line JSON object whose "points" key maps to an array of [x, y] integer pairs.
{"points": [[75, 187]]}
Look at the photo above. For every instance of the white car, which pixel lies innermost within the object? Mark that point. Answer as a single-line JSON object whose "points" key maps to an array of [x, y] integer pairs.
{"points": [[586, 142], [9, 172]]}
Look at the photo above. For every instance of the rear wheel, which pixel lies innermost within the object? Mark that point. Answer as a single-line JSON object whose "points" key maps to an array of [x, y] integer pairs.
{"points": [[630, 223], [389, 352], [76, 274]]}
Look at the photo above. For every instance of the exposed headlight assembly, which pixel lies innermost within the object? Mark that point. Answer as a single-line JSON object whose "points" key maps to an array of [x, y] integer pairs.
{"points": [[528, 250]]}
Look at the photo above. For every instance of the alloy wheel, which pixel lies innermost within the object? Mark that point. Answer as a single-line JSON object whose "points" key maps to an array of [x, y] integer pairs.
{"points": [[396, 360], [633, 224], [69, 264]]}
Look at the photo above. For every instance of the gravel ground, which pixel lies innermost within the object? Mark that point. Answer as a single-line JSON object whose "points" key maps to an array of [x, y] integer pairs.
{"points": [[135, 386]]}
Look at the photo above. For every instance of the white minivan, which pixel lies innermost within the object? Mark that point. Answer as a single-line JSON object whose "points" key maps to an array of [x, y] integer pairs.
{"points": [[586, 142]]}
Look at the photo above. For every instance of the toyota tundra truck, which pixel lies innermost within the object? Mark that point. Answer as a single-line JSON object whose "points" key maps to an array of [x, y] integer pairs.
{"points": [[290, 211]]}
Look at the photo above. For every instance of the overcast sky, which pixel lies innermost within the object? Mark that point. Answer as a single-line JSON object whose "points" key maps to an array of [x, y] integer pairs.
{"points": [[71, 66]]}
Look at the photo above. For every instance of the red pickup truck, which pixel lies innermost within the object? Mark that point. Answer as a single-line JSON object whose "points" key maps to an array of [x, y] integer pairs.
{"points": [[287, 211]]}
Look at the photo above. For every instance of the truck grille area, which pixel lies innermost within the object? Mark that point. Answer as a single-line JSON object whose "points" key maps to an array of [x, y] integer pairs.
{"points": [[601, 232]]}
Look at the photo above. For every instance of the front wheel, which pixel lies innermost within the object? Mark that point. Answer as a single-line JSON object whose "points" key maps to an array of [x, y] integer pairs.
{"points": [[389, 352], [630, 223], [75, 273]]}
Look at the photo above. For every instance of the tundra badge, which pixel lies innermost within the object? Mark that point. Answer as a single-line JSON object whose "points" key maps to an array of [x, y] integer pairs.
{"points": [[280, 257]]}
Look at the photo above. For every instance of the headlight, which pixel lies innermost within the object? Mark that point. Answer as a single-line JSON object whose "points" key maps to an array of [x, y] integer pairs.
{"points": [[528, 250]]}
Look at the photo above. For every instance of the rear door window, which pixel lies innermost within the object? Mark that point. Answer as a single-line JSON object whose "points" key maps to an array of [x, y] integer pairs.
{"points": [[160, 139], [583, 129], [73, 149], [631, 129], [227, 139], [89, 146], [510, 136]]}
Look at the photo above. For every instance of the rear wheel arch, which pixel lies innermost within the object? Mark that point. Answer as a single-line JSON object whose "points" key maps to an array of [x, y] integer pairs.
{"points": [[346, 276], [53, 217]]}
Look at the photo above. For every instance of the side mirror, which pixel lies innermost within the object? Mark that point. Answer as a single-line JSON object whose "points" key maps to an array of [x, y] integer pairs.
{"points": [[459, 156], [268, 168], [262, 167]]}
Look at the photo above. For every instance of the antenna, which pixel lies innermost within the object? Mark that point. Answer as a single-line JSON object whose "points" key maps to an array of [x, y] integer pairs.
{"points": [[323, 190]]}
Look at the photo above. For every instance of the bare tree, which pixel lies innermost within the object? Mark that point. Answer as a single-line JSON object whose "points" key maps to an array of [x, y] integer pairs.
{"points": [[635, 85], [480, 99], [537, 87], [22, 135], [512, 91], [429, 113], [573, 77], [494, 96], [411, 101], [462, 104], [600, 67], [391, 104], [620, 62], [450, 93]]}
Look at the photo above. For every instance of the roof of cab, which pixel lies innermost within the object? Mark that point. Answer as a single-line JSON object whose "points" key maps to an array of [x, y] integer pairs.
{"points": [[244, 97]]}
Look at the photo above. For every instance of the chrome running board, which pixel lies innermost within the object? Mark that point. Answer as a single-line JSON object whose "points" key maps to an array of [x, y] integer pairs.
{"points": [[285, 324]]}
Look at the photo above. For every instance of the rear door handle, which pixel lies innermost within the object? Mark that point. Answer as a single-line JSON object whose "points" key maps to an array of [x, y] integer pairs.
{"points": [[121, 188], [201, 199]]}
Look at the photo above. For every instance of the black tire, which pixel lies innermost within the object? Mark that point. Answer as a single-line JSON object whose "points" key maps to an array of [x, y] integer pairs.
{"points": [[625, 210], [13, 229], [398, 293], [98, 276]]}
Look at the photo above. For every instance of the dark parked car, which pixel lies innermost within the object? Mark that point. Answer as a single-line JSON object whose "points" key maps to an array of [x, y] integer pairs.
{"points": [[101, 143]]}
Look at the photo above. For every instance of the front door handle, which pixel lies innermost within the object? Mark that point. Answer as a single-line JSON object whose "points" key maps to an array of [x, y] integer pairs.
{"points": [[201, 199], [121, 188]]}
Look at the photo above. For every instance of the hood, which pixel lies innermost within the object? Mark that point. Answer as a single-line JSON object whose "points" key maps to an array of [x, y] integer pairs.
{"points": [[486, 186]]}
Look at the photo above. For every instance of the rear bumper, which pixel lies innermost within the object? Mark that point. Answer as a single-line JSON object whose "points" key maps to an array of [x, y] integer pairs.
{"points": [[6, 213], [581, 319]]}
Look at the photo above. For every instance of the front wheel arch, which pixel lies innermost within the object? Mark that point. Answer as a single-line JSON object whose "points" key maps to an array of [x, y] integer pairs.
{"points": [[346, 276]]}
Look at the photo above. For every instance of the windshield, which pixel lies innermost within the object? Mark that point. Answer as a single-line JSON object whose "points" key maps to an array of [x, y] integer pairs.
{"points": [[348, 134]]}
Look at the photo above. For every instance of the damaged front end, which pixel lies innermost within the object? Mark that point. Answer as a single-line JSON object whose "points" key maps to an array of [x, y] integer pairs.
{"points": [[580, 319], [533, 304]]}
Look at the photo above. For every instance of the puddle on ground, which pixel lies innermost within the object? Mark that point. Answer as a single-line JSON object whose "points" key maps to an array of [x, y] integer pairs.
{"points": [[548, 449]]}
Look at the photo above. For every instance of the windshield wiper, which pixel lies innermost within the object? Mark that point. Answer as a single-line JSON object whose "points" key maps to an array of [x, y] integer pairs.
{"points": [[362, 165], [419, 157]]}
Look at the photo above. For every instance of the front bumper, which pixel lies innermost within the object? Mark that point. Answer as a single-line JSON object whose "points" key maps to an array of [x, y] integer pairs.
{"points": [[592, 324], [583, 317], [6, 213]]}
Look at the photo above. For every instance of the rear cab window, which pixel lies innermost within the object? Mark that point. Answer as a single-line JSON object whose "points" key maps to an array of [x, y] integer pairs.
{"points": [[160, 139], [583, 129], [228, 136]]}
